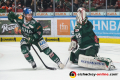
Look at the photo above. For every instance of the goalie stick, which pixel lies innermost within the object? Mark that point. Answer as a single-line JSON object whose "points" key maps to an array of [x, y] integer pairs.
{"points": [[69, 57], [51, 68]]}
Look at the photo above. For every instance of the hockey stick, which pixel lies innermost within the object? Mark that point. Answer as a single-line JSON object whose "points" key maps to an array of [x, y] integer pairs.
{"points": [[69, 57], [51, 68], [67, 61]]}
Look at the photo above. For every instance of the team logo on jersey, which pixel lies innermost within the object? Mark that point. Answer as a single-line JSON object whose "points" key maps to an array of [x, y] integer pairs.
{"points": [[20, 17], [76, 30], [72, 74]]}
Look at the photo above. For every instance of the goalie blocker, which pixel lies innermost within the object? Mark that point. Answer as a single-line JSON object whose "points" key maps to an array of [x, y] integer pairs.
{"points": [[95, 62]]}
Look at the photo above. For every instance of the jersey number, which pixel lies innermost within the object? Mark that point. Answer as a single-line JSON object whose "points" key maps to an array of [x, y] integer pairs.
{"points": [[78, 35]]}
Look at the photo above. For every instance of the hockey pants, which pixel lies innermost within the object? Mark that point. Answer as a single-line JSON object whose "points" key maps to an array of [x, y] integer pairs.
{"points": [[42, 46]]}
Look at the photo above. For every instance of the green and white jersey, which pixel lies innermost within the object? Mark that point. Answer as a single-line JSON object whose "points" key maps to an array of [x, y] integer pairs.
{"points": [[85, 36], [32, 28]]}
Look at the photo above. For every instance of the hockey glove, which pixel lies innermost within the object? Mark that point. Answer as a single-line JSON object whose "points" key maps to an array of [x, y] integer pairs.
{"points": [[11, 16], [30, 39], [73, 45]]}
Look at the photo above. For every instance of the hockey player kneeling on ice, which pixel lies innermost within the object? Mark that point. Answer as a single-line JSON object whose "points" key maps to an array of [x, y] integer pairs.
{"points": [[32, 32], [85, 38]]}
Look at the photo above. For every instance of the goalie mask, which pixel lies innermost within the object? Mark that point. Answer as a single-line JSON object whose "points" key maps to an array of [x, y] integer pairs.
{"points": [[81, 16]]}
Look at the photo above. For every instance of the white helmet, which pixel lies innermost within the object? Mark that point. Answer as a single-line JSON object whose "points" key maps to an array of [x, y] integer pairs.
{"points": [[81, 16]]}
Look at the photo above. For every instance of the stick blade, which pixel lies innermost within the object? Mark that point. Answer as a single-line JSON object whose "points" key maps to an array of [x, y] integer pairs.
{"points": [[51, 68]]}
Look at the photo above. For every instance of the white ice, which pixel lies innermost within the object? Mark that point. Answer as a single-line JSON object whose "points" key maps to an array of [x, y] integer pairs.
{"points": [[13, 65]]}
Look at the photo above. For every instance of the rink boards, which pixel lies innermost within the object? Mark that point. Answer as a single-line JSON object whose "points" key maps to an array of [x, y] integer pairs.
{"points": [[58, 39], [61, 29]]}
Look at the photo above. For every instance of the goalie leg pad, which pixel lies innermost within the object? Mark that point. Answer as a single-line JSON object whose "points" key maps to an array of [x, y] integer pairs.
{"points": [[108, 62], [93, 62]]}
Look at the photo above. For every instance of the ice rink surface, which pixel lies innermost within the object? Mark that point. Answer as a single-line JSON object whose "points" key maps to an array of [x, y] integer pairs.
{"points": [[13, 65]]}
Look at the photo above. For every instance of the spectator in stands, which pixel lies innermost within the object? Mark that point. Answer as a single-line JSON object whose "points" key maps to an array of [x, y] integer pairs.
{"points": [[67, 6], [80, 2], [112, 4], [50, 4], [8, 5], [22, 3], [59, 6], [75, 5], [11, 1], [59, 3], [108, 4], [48, 1], [3, 4], [32, 5], [98, 4], [117, 5], [45, 4], [86, 6], [28, 3], [18, 3], [42, 5]]}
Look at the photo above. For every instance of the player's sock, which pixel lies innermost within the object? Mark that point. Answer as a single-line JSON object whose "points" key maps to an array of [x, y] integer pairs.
{"points": [[54, 57], [30, 59]]}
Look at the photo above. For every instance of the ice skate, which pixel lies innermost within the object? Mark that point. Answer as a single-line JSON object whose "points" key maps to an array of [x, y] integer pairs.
{"points": [[34, 65], [111, 67], [61, 65]]}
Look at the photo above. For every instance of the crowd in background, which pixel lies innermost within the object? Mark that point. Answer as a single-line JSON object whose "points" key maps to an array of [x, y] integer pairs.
{"points": [[60, 5]]}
